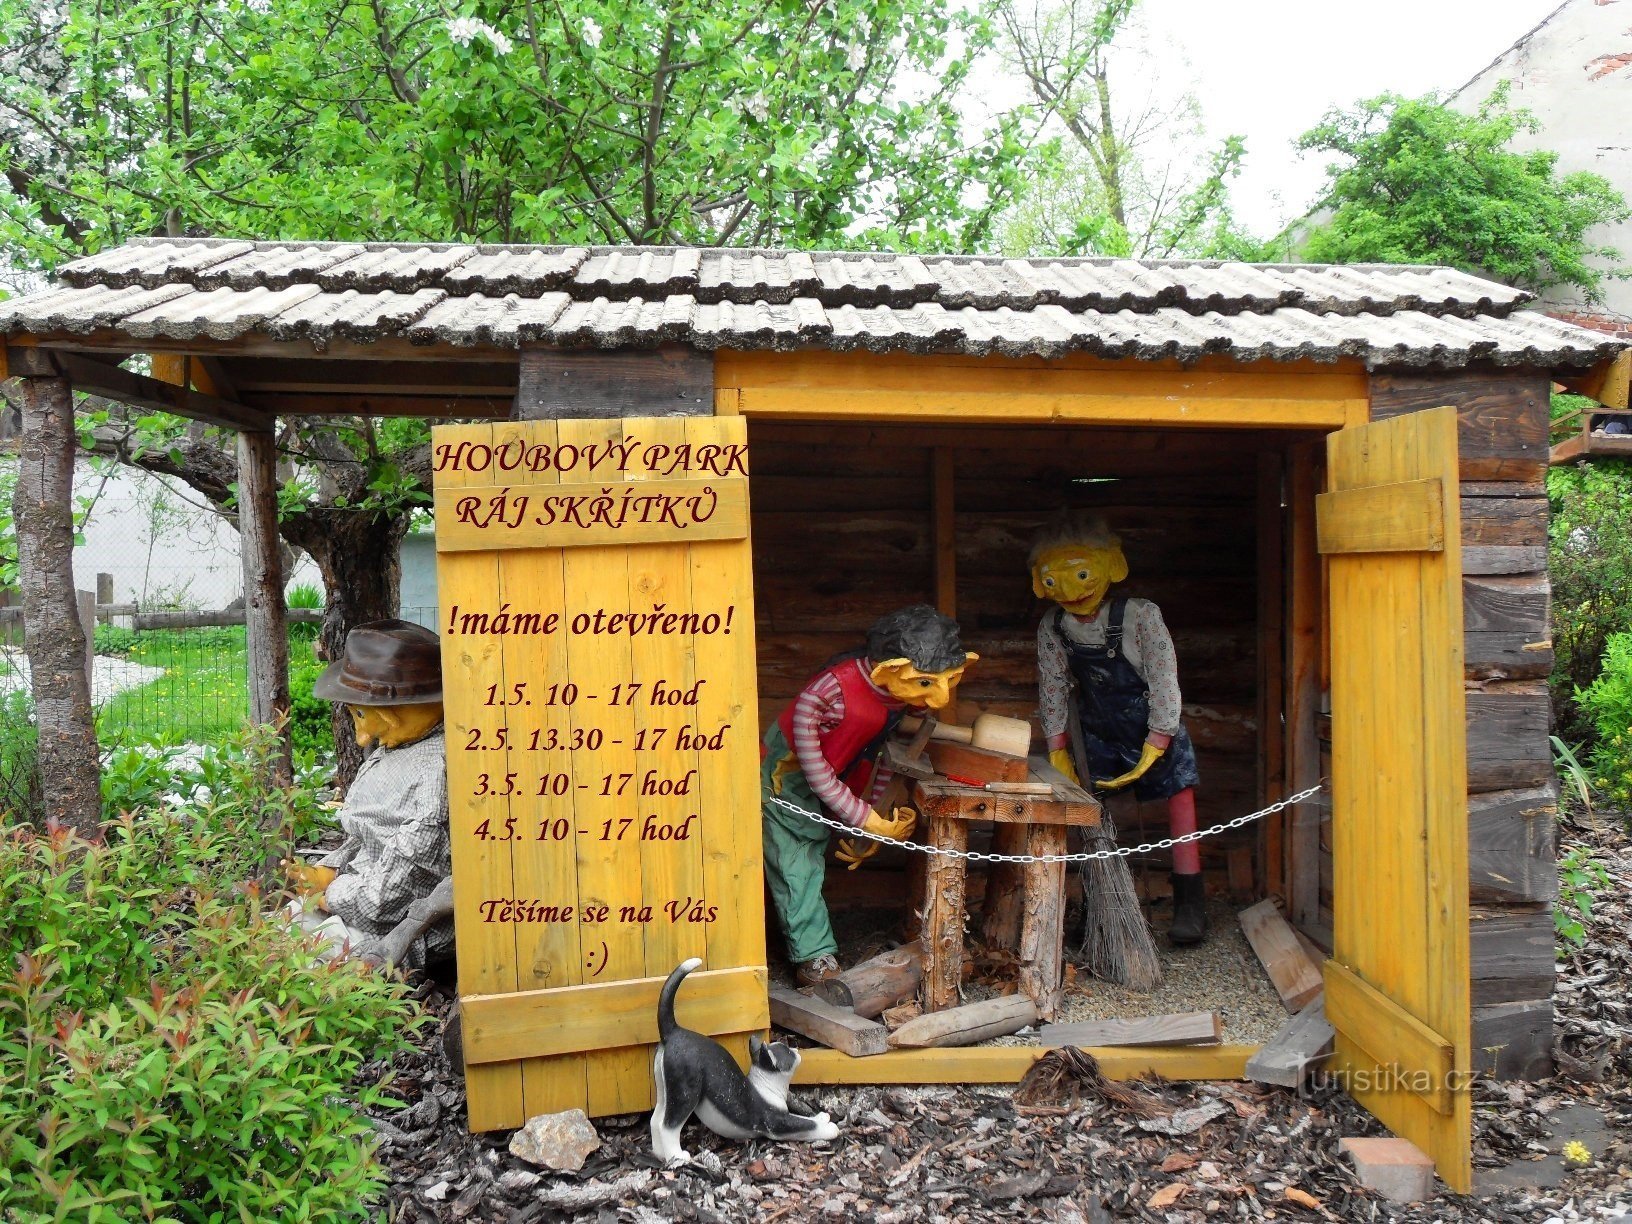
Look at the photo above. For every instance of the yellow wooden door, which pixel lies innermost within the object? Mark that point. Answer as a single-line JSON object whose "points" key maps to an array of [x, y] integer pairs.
{"points": [[1397, 983], [596, 608]]}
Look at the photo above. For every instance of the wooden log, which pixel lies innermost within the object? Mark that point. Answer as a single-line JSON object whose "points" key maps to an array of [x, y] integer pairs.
{"points": [[871, 987], [1506, 634], [1005, 891], [1184, 1028], [1042, 922], [1504, 559], [54, 638], [1511, 949], [1513, 521], [211, 620], [967, 1025], [1508, 725], [1502, 417], [266, 633], [943, 911], [1296, 977], [1297, 1046], [1514, 1040], [835, 1027], [1511, 846]]}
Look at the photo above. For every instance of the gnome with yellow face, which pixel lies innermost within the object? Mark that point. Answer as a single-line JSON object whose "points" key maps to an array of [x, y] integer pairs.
{"points": [[1109, 682], [396, 851], [821, 756]]}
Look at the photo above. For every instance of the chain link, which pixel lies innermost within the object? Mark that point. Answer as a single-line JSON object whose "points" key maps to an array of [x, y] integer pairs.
{"points": [[1083, 856]]}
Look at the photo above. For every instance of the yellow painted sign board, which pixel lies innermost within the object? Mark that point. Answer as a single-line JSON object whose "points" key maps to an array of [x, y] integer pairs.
{"points": [[596, 608]]}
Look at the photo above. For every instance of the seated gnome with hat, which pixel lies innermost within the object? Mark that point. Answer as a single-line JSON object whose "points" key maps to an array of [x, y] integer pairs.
{"points": [[386, 894]]}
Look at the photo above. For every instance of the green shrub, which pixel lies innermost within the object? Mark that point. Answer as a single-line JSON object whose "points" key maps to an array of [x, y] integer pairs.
{"points": [[168, 1051], [114, 639], [1580, 879], [303, 595], [19, 775], [1607, 701], [1590, 559], [138, 776], [311, 720]]}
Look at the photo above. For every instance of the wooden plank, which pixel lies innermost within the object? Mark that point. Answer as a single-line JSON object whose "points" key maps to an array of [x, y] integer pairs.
{"points": [[872, 387], [549, 955], [837, 1028], [1504, 559], [728, 780], [1403, 517], [1512, 846], [562, 384], [709, 508], [1504, 519], [1501, 416], [1513, 952], [1296, 977], [1297, 1046], [1007, 1064], [1184, 1028], [602, 1016], [1392, 1036], [969, 1024], [950, 801], [944, 510], [266, 634], [1507, 729], [482, 868]]}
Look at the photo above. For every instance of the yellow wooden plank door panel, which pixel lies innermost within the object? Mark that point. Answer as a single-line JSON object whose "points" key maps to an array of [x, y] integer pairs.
{"points": [[599, 653], [1397, 985]]}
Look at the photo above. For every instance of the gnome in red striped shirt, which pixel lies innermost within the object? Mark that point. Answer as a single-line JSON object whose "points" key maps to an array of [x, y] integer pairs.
{"points": [[821, 756]]}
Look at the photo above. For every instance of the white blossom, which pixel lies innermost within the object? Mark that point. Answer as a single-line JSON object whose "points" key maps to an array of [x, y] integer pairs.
{"points": [[465, 30], [591, 33], [500, 42], [758, 107], [855, 57], [258, 6]]}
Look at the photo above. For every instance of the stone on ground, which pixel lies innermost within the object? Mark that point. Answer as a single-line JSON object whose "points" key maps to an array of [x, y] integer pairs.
{"points": [[559, 1141], [1395, 1168]]}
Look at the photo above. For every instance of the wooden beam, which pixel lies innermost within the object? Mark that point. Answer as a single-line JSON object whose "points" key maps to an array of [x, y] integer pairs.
{"points": [[561, 384], [266, 632], [944, 513], [1405, 517], [1296, 977], [334, 348], [835, 1027], [1270, 848], [141, 391], [1186, 1028], [374, 403], [1305, 646], [1007, 1064]]}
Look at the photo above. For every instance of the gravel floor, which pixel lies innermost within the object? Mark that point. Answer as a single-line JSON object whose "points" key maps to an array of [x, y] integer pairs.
{"points": [[110, 675]]}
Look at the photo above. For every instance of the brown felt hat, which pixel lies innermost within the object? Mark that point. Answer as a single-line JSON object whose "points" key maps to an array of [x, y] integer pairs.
{"points": [[386, 663]]}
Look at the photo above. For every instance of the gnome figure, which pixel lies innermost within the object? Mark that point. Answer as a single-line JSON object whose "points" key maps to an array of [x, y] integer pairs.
{"points": [[821, 757], [1106, 665], [395, 817]]}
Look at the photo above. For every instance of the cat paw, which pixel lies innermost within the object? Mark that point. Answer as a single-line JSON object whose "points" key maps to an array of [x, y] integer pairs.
{"points": [[825, 1129]]}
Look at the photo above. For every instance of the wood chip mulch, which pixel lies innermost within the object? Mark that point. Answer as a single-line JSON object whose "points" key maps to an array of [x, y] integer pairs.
{"points": [[1067, 1146]]}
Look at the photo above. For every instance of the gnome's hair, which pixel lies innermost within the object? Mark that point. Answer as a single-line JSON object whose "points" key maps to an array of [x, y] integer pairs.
{"points": [[918, 634], [1081, 527]]}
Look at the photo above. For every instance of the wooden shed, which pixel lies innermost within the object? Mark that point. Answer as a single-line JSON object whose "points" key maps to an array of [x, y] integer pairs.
{"points": [[1330, 478]]}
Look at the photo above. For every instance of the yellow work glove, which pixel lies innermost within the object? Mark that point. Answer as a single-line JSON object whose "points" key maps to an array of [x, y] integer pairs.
{"points": [[1060, 758], [897, 827], [1148, 756], [309, 879], [855, 851]]}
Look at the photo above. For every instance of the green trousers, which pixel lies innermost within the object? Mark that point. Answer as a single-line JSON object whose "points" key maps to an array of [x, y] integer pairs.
{"points": [[795, 856]]}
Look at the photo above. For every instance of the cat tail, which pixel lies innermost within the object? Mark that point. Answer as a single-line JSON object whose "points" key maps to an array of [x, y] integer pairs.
{"points": [[665, 1001]]}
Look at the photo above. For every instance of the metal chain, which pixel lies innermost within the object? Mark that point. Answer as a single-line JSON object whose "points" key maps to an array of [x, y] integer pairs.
{"points": [[1080, 857]]}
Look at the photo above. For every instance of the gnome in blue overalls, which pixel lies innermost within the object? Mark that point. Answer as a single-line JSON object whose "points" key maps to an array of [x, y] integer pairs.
{"points": [[1107, 665]]}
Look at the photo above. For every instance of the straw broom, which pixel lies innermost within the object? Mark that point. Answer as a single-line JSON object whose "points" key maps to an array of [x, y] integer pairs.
{"points": [[1116, 941]]}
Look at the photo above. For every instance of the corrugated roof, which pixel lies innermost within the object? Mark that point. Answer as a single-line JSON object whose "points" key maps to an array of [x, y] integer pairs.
{"points": [[609, 297]]}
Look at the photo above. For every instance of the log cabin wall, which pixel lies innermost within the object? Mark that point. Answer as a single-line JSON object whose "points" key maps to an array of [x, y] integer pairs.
{"points": [[1512, 794], [843, 529]]}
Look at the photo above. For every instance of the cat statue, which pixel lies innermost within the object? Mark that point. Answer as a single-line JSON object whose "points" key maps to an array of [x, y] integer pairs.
{"points": [[696, 1075]]}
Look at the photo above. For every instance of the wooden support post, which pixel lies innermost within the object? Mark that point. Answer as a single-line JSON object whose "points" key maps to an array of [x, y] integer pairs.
{"points": [[54, 638], [945, 533], [1005, 891], [1042, 929], [104, 588], [85, 607], [265, 629], [1304, 639], [943, 912], [1271, 666]]}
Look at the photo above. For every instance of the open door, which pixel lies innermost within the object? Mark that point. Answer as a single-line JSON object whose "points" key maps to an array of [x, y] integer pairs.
{"points": [[597, 624], [1397, 983]]}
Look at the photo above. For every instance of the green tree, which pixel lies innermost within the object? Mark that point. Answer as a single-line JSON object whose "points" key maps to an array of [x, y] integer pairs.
{"points": [[807, 123], [1128, 170], [1414, 181]]}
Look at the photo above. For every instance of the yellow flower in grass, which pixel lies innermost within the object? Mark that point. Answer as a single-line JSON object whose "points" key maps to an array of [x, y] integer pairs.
{"points": [[1577, 1155]]}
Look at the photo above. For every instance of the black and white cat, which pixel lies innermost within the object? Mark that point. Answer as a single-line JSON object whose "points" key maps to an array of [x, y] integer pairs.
{"points": [[695, 1075]]}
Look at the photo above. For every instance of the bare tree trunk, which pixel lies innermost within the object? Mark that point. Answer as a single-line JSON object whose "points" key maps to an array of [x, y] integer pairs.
{"points": [[360, 558], [70, 774], [266, 632]]}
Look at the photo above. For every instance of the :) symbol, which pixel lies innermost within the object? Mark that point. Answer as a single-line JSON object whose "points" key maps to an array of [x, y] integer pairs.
{"points": [[591, 965]]}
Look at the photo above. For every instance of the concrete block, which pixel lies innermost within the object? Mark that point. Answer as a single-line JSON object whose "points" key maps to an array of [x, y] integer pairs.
{"points": [[1395, 1168]]}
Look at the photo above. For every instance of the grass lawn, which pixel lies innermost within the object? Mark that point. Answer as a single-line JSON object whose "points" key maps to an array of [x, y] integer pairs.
{"points": [[202, 696]]}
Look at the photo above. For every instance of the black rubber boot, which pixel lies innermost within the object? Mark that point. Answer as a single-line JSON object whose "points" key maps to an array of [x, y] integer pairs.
{"points": [[1189, 909]]}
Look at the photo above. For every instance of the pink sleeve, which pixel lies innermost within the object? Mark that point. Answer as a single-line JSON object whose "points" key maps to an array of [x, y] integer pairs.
{"points": [[819, 706]]}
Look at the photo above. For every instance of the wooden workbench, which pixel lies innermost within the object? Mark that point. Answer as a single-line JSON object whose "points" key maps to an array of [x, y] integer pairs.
{"points": [[1025, 903]]}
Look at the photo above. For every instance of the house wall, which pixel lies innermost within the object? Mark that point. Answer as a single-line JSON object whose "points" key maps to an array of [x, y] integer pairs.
{"points": [[1512, 795], [1574, 73]]}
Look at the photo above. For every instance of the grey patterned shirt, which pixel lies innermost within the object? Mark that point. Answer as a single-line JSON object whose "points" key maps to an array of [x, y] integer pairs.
{"points": [[395, 820], [1145, 644]]}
